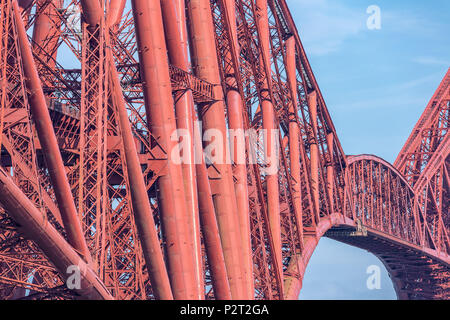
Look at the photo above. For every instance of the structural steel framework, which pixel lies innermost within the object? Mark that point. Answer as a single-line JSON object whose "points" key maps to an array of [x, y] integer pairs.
{"points": [[95, 99]]}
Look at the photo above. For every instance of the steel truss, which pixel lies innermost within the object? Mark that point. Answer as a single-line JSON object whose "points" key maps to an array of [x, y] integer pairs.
{"points": [[92, 93]]}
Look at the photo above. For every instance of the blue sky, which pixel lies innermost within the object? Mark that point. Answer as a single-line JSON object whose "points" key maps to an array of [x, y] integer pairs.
{"points": [[376, 84]]}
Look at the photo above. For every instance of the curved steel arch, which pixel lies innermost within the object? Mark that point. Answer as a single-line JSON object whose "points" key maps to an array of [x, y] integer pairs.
{"points": [[392, 213], [381, 218]]}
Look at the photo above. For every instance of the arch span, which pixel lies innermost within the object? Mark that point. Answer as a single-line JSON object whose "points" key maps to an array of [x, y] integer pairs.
{"points": [[381, 216]]}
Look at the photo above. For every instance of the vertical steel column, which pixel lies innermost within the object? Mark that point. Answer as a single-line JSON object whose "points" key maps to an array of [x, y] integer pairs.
{"points": [[25, 5], [115, 11], [314, 152], [210, 228], [92, 11], [294, 137], [139, 198], [161, 117], [269, 125], [294, 278], [176, 38], [5, 26], [46, 33], [236, 122], [204, 60], [330, 170], [49, 143], [93, 198]]}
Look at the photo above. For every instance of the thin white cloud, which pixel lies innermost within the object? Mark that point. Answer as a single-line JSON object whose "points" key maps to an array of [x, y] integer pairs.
{"points": [[410, 22], [431, 61], [399, 95], [431, 78], [324, 25], [388, 101]]}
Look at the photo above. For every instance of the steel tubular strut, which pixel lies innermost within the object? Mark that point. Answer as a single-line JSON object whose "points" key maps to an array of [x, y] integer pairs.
{"points": [[105, 165]]}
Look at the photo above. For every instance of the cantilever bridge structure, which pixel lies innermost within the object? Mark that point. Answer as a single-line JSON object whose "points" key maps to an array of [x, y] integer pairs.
{"points": [[88, 175]]}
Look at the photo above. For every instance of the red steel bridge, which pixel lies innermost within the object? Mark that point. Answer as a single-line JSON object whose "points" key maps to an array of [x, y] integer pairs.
{"points": [[98, 100]]}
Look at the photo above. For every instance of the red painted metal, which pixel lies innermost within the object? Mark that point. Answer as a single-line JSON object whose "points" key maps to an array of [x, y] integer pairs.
{"points": [[160, 112], [314, 153], [213, 246], [176, 39], [139, 198], [424, 162], [426, 135], [213, 227], [294, 137], [25, 7], [115, 11], [48, 239], [212, 115], [46, 33], [92, 12], [235, 109], [47, 138], [269, 124]]}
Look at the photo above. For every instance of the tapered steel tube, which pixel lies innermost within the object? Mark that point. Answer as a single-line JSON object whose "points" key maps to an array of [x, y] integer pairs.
{"points": [[46, 33], [204, 60], [176, 38], [314, 152], [293, 280], [49, 143], [161, 118], [92, 11], [236, 122], [294, 136], [115, 12], [210, 229], [268, 124], [34, 225], [330, 170], [25, 5], [139, 198]]}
